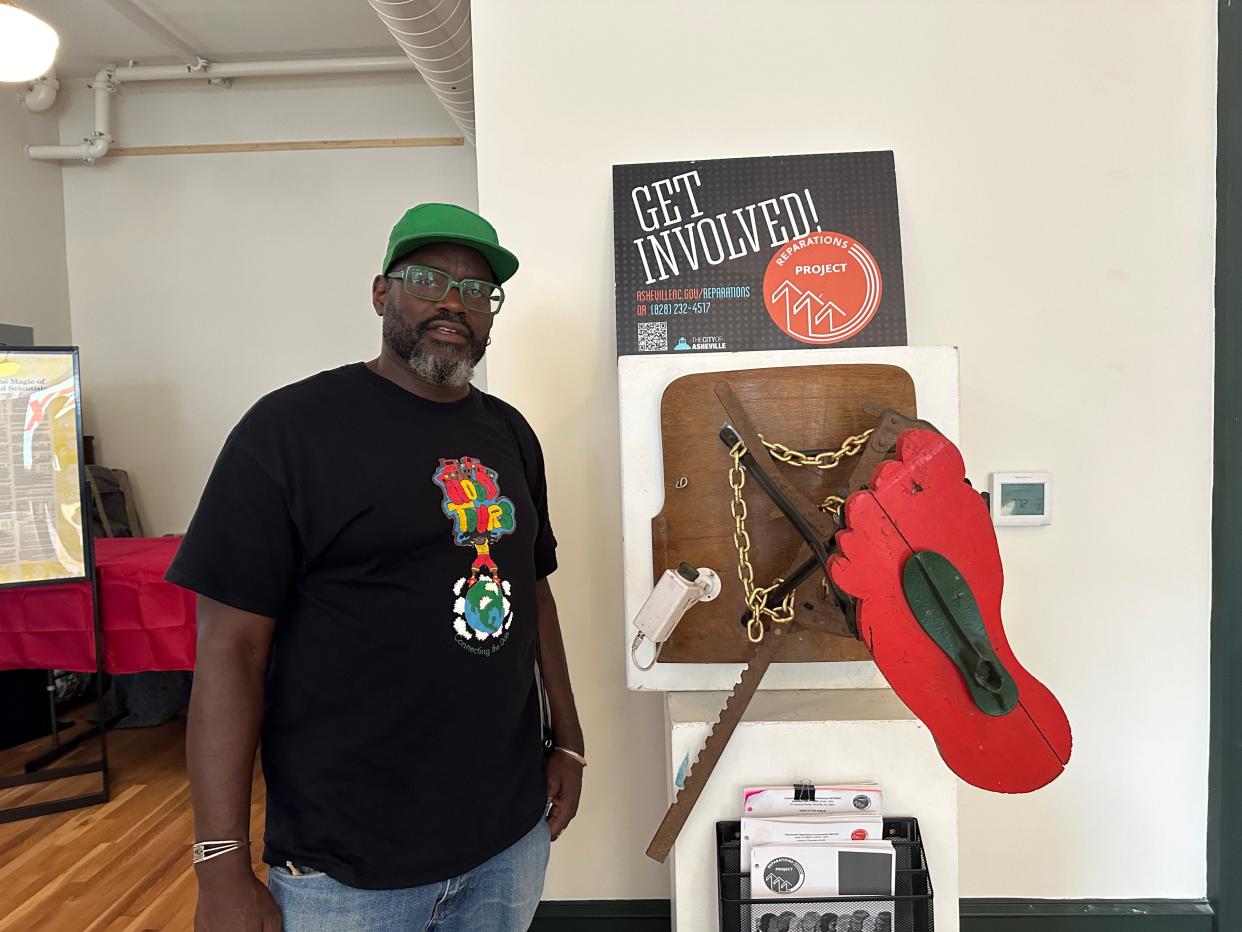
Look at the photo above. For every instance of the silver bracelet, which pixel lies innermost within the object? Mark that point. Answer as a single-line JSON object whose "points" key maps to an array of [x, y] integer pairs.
{"points": [[574, 754], [206, 850]]}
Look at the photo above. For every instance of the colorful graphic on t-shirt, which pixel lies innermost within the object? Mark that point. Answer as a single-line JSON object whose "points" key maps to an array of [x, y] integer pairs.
{"points": [[480, 516]]}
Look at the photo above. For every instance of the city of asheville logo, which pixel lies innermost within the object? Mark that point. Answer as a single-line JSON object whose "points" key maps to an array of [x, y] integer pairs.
{"points": [[822, 288]]}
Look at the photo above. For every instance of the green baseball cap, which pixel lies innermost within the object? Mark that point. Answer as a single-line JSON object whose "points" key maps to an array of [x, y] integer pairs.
{"points": [[448, 223]]}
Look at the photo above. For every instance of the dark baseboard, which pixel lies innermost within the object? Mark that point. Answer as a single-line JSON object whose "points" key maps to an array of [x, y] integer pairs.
{"points": [[603, 916], [978, 915], [996, 915]]}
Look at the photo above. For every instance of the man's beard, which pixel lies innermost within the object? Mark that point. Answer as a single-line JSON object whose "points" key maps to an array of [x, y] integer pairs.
{"points": [[411, 345]]}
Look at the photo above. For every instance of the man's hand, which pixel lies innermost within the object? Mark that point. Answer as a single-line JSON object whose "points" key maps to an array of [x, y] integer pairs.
{"points": [[234, 900], [564, 789]]}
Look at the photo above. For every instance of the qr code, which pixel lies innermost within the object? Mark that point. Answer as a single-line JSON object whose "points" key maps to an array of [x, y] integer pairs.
{"points": [[653, 337]]}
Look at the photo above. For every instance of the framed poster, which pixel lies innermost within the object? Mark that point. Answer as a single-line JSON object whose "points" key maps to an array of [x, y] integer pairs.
{"points": [[42, 475], [768, 253]]}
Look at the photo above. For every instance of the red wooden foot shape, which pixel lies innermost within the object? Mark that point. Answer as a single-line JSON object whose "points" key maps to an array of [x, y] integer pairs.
{"points": [[920, 502]]}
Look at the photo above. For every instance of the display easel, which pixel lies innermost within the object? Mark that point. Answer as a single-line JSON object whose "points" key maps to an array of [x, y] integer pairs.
{"points": [[44, 408]]}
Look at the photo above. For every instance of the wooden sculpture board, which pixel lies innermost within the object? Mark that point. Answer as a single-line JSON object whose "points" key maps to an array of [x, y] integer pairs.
{"points": [[808, 408]]}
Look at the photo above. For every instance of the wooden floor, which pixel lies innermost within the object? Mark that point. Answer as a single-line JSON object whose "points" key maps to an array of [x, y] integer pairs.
{"points": [[123, 866]]}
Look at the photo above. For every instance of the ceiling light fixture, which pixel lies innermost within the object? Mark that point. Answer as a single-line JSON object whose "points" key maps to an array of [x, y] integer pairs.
{"points": [[27, 44]]}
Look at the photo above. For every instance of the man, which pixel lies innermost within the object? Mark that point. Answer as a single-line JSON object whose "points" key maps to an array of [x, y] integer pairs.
{"points": [[347, 612]]}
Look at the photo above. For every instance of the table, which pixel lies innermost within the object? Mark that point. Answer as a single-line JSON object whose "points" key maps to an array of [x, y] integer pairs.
{"points": [[148, 624]]}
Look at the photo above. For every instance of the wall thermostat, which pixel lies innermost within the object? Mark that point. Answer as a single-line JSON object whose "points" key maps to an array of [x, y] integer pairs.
{"points": [[1021, 498]]}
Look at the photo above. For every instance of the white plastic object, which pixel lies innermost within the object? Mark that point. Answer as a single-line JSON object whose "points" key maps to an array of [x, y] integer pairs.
{"points": [[674, 594], [38, 96], [1021, 499]]}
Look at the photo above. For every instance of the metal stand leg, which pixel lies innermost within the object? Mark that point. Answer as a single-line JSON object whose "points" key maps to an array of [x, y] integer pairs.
{"points": [[51, 711], [34, 768]]}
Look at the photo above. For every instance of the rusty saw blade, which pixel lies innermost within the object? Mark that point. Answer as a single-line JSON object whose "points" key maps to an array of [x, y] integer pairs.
{"points": [[701, 770]]}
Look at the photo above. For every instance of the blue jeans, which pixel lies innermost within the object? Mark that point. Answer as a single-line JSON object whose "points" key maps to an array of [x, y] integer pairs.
{"points": [[499, 895]]}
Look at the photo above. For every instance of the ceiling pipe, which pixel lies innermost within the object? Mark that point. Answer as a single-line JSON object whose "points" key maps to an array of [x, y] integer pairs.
{"points": [[40, 95], [435, 34], [299, 67], [96, 145], [109, 80], [133, 12]]}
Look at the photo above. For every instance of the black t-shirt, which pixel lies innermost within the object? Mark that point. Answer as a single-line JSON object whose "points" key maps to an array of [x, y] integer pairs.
{"points": [[397, 541]]}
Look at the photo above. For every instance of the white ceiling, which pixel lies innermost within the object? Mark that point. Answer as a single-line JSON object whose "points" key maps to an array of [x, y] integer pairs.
{"points": [[93, 34]]}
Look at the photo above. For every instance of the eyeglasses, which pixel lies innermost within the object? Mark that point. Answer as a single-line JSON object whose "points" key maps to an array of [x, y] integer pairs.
{"points": [[428, 284]]}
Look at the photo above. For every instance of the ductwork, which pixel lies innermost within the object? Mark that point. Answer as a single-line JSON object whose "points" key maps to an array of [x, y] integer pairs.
{"points": [[435, 34]]}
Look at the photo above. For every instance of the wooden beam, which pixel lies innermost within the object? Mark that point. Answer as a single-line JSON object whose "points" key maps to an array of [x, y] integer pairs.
{"points": [[294, 146]]}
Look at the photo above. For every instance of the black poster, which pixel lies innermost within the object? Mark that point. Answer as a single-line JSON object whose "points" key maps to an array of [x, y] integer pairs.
{"points": [[769, 253]]}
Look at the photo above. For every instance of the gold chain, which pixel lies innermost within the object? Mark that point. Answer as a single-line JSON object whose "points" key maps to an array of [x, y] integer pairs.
{"points": [[826, 460], [757, 596]]}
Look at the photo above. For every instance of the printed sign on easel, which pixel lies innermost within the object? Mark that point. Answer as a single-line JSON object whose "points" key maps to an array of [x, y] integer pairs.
{"points": [[41, 481], [775, 252]]}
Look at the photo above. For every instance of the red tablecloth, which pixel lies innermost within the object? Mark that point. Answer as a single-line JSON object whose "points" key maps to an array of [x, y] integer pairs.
{"points": [[148, 624]]}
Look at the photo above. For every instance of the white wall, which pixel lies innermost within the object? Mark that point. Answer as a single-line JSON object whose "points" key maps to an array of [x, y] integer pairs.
{"points": [[34, 288], [1055, 167], [199, 282]]}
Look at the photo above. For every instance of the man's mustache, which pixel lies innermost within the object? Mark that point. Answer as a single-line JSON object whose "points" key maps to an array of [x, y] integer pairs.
{"points": [[426, 325]]}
